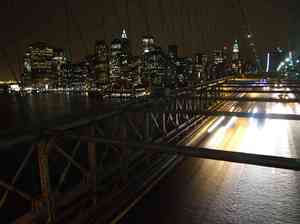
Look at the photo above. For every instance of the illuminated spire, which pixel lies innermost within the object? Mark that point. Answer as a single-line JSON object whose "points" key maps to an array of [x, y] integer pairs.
{"points": [[124, 34], [236, 47]]}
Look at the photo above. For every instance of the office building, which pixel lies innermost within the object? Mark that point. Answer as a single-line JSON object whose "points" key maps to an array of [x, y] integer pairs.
{"points": [[101, 64]]}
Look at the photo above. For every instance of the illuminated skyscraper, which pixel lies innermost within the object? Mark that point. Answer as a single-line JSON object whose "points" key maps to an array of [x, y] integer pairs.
{"points": [[80, 75], [43, 66], [148, 44], [236, 62], [59, 60], [200, 65], [125, 49], [115, 60], [218, 57], [101, 64], [274, 58], [235, 51], [120, 58]]}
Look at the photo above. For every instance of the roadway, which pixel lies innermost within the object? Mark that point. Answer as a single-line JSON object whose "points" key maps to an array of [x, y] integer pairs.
{"points": [[208, 191]]}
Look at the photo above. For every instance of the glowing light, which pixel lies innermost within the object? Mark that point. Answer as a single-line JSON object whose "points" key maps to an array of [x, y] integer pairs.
{"points": [[236, 47], [15, 87], [280, 66], [231, 122], [290, 55], [124, 34], [254, 110], [215, 125], [268, 62]]}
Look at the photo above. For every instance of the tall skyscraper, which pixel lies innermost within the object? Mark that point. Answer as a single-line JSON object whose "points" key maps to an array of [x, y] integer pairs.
{"points": [[274, 58], [236, 62], [80, 73], [115, 60], [101, 64], [235, 51], [125, 49], [43, 66], [120, 58], [59, 60], [200, 65], [148, 44]]}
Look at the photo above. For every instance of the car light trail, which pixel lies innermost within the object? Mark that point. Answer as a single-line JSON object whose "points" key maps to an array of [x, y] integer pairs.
{"points": [[215, 125]]}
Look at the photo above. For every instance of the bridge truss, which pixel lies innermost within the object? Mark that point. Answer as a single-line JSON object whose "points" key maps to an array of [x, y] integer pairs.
{"points": [[103, 162]]}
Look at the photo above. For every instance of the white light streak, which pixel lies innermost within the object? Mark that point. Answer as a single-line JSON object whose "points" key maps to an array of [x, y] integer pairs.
{"points": [[215, 125], [268, 62]]}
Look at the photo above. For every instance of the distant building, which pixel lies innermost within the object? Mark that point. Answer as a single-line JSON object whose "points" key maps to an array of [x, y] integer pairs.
{"points": [[218, 57], [226, 53], [184, 70], [115, 60], [125, 49], [173, 51], [120, 59], [101, 64], [66, 81], [236, 62], [235, 51], [158, 69], [80, 73], [148, 44], [200, 67], [274, 58], [43, 66], [59, 60]]}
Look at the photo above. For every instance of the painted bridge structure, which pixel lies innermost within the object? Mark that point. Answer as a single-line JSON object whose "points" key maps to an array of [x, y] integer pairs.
{"points": [[89, 170]]}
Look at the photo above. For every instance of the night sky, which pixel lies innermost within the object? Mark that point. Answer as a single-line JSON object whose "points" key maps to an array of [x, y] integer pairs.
{"points": [[195, 25]]}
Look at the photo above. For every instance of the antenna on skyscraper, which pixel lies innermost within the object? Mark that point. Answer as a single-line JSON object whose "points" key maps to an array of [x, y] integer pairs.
{"points": [[248, 34]]}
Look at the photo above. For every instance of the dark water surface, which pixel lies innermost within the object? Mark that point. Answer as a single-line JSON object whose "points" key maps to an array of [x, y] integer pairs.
{"points": [[22, 114]]}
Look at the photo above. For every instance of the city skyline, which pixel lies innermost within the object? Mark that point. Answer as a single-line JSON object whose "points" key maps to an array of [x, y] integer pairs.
{"points": [[193, 26]]}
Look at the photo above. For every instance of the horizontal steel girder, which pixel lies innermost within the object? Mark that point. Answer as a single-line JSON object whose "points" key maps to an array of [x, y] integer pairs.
{"points": [[271, 85], [257, 99], [258, 82], [227, 113], [253, 115], [253, 91], [230, 156]]}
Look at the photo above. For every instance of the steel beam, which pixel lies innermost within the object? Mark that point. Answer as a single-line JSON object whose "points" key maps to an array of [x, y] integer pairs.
{"points": [[230, 156], [12, 188], [227, 113], [255, 91], [43, 157], [260, 85], [258, 99], [257, 81], [253, 115], [18, 173]]}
